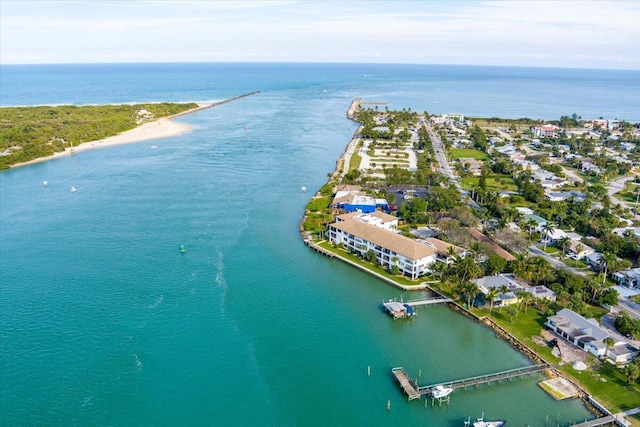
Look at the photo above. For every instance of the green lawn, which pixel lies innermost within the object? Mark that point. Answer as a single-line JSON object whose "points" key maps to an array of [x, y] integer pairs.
{"points": [[458, 153], [606, 383], [375, 268], [493, 182]]}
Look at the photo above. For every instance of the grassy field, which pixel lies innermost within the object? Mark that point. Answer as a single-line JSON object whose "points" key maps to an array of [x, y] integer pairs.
{"points": [[374, 268], [458, 153], [494, 183], [605, 382]]}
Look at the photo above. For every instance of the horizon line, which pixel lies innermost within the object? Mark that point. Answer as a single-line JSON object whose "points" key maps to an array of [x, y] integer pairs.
{"points": [[316, 63]]}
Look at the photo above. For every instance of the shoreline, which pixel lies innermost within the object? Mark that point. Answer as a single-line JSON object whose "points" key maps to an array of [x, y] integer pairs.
{"points": [[161, 128], [587, 399]]}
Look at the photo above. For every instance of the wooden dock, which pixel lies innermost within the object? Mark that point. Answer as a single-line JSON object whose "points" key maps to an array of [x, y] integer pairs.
{"points": [[488, 378], [405, 382], [413, 391], [428, 301]]}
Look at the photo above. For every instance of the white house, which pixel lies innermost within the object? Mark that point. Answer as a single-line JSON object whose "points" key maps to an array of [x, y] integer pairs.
{"points": [[584, 333], [578, 250], [630, 278]]}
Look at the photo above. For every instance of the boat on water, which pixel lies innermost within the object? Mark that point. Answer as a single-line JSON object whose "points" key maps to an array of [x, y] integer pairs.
{"points": [[480, 422], [440, 392], [73, 189]]}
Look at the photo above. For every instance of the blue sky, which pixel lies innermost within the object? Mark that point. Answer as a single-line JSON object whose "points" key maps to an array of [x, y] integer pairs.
{"points": [[581, 34]]}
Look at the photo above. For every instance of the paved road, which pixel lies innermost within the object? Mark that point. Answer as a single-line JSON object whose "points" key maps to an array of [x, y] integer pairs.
{"points": [[617, 186], [441, 157], [534, 250]]}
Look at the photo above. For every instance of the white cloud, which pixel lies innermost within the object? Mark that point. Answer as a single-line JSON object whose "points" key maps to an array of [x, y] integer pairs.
{"points": [[569, 33]]}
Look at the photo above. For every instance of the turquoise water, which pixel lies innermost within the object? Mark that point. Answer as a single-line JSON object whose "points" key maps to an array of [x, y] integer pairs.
{"points": [[104, 322]]}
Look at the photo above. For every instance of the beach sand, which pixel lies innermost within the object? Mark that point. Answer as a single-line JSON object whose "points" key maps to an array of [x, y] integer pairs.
{"points": [[161, 128]]}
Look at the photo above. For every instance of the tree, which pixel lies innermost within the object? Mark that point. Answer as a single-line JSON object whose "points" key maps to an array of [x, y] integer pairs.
{"points": [[494, 265], [579, 249], [491, 297], [511, 311], [609, 297], [547, 229], [632, 370], [608, 342], [471, 290], [525, 298], [607, 259]]}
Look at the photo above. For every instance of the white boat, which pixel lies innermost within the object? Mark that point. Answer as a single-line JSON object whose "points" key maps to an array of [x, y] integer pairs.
{"points": [[440, 392], [73, 189], [480, 422]]}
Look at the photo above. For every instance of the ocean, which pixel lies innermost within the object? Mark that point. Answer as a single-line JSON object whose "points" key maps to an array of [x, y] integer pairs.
{"points": [[103, 321]]}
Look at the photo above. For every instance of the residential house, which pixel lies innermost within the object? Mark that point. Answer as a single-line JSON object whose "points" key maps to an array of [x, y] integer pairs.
{"points": [[578, 250], [589, 167], [485, 284], [594, 260], [629, 278], [634, 231], [584, 333], [472, 165]]}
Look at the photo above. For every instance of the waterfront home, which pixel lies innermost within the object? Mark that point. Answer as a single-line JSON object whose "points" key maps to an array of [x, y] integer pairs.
{"points": [[629, 278], [485, 284], [413, 258], [584, 333], [513, 286]]}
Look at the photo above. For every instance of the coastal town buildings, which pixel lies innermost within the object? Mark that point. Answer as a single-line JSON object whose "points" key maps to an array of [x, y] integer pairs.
{"points": [[414, 258]]}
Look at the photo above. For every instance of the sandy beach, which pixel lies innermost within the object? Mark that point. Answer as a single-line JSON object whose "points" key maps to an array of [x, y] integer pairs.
{"points": [[157, 129]]}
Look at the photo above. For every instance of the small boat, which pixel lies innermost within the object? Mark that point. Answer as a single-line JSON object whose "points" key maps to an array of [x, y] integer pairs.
{"points": [[440, 392], [45, 183], [182, 249], [73, 189], [480, 422]]}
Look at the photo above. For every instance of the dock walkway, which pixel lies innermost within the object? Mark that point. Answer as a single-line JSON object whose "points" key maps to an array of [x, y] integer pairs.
{"points": [[428, 301], [488, 378], [405, 382], [413, 391]]}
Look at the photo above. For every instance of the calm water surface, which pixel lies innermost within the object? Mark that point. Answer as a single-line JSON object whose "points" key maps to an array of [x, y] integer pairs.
{"points": [[104, 322]]}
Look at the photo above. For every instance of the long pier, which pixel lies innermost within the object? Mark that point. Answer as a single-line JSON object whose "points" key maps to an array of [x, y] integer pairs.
{"points": [[413, 391], [428, 301]]}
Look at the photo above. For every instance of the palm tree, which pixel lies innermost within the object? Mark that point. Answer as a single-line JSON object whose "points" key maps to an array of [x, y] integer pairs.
{"points": [[579, 249], [503, 289], [547, 228], [491, 297], [531, 224], [526, 298], [471, 290], [564, 243], [608, 342], [607, 260]]}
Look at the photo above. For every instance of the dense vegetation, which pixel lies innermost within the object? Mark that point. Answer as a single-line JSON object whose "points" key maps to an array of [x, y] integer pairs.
{"points": [[28, 133]]}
